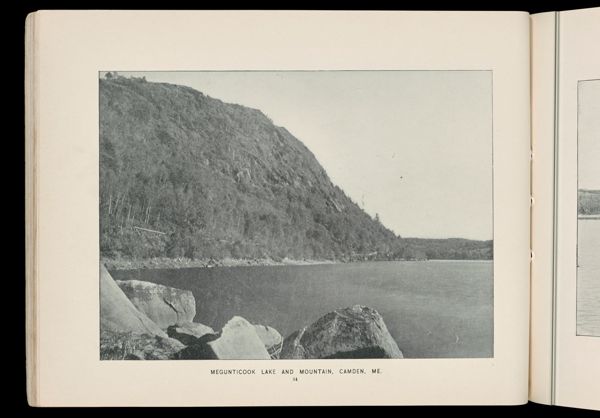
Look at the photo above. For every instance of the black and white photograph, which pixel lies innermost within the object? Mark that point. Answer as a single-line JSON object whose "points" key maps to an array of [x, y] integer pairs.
{"points": [[588, 209], [297, 215]]}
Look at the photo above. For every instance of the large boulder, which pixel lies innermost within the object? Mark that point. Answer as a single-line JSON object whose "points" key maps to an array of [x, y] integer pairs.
{"points": [[164, 305], [355, 332], [117, 312], [131, 346], [292, 347], [237, 340], [189, 332], [271, 339]]}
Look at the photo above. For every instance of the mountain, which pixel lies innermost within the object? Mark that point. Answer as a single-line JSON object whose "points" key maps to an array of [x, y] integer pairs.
{"points": [[186, 175]]}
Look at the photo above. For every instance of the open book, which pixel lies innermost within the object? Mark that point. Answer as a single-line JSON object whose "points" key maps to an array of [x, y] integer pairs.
{"points": [[313, 208]]}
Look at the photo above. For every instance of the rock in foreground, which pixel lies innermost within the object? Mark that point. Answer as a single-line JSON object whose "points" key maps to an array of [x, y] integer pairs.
{"points": [[189, 333], [118, 314], [130, 346], [238, 340], [355, 332], [162, 304], [271, 339]]}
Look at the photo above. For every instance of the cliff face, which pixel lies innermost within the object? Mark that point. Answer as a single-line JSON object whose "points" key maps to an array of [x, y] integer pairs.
{"points": [[183, 174]]}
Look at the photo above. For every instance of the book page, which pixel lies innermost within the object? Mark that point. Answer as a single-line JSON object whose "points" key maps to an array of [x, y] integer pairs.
{"points": [[577, 368], [410, 127]]}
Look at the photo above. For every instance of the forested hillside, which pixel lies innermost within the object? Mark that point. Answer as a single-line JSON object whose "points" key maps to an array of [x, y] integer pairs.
{"points": [[186, 175]]}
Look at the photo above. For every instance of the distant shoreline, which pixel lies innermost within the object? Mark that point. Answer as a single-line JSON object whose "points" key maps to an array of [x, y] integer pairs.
{"points": [[174, 263], [177, 263]]}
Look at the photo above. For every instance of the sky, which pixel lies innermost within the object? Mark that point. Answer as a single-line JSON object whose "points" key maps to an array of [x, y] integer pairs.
{"points": [[589, 135], [414, 147]]}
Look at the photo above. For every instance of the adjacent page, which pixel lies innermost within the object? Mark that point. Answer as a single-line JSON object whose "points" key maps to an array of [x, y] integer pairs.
{"points": [[349, 149], [577, 300]]}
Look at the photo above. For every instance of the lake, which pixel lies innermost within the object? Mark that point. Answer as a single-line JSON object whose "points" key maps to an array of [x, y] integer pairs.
{"points": [[433, 309], [588, 277]]}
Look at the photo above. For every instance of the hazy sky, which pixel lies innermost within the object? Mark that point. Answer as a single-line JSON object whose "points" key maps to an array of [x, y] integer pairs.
{"points": [[413, 146], [589, 134]]}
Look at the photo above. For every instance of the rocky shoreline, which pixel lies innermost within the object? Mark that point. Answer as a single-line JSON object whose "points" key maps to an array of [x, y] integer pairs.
{"points": [[147, 321], [174, 263]]}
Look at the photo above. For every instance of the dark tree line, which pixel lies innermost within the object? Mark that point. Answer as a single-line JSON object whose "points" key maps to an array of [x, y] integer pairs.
{"points": [[588, 202]]}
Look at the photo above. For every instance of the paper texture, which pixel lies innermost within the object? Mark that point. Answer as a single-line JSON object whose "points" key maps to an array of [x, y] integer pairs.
{"points": [[74, 46]]}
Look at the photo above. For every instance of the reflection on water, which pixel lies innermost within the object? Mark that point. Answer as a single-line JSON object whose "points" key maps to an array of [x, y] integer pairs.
{"points": [[588, 277]]}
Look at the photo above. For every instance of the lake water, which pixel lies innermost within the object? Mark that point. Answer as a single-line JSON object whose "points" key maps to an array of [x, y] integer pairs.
{"points": [[431, 308], [588, 277]]}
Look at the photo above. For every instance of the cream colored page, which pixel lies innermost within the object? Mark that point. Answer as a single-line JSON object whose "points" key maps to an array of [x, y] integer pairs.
{"points": [[542, 219], [74, 46], [577, 365]]}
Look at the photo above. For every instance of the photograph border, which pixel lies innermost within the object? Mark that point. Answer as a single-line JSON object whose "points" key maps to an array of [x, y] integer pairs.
{"points": [[577, 334], [493, 284]]}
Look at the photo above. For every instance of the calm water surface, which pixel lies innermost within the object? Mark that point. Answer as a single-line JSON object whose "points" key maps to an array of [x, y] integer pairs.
{"points": [[432, 308], [588, 277]]}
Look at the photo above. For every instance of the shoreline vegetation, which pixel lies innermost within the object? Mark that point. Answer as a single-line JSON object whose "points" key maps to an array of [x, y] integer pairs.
{"points": [[182, 262]]}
